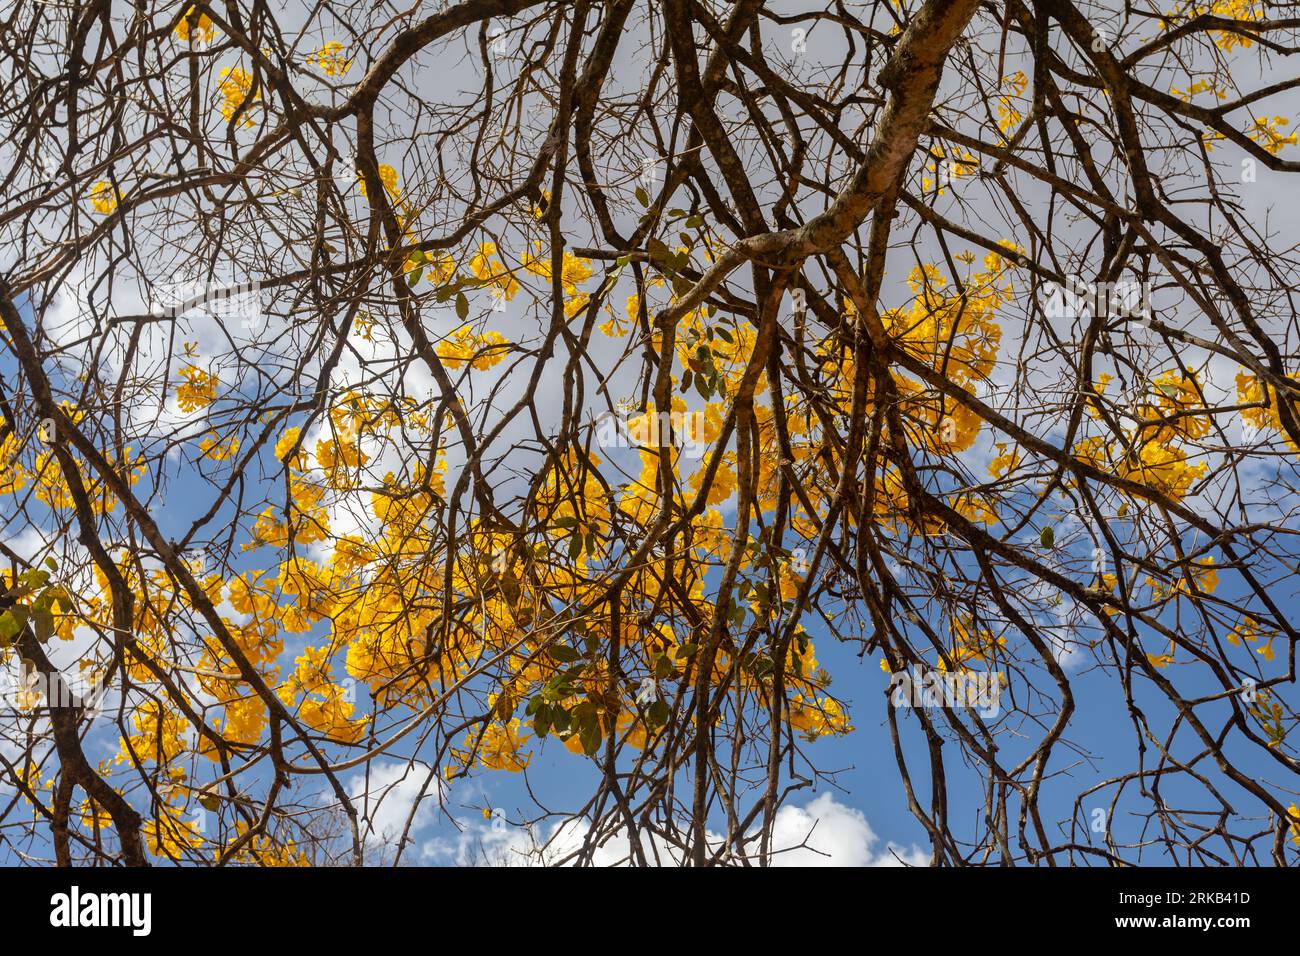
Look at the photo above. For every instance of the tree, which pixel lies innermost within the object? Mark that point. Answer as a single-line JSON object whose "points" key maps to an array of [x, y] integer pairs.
{"points": [[436, 387]]}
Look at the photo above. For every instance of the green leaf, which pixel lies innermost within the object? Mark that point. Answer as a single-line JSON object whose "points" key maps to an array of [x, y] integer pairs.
{"points": [[659, 253], [35, 578], [414, 276], [656, 714], [557, 690], [1047, 537], [559, 718], [563, 653], [43, 620], [11, 622], [462, 305], [60, 597], [510, 588], [591, 735], [642, 197]]}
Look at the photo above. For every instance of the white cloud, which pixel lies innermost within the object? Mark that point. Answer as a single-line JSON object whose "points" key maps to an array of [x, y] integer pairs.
{"points": [[826, 832], [386, 795], [823, 832]]}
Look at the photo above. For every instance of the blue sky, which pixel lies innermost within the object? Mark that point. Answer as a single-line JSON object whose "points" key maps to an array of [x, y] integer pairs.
{"points": [[1100, 743]]}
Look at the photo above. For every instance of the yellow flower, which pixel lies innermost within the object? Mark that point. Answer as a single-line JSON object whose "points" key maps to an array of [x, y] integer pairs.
{"points": [[481, 350], [1268, 133], [324, 705], [331, 59], [574, 270], [952, 166], [387, 176], [1200, 86], [1245, 631], [724, 480], [203, 31], [490, 272], [219, 449], [199, 389], [103, 197], [1230, 10], [818, 718], [263, 850], [978, 646], [616, 326], [287, 441], [499, 748], [235, 87], [1008, 115], [1004, 461], [975, 508], [13, 477], [439, 268]]}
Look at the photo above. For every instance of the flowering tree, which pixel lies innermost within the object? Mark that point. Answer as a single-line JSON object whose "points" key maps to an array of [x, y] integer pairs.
{"points": [[442, 386]]}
